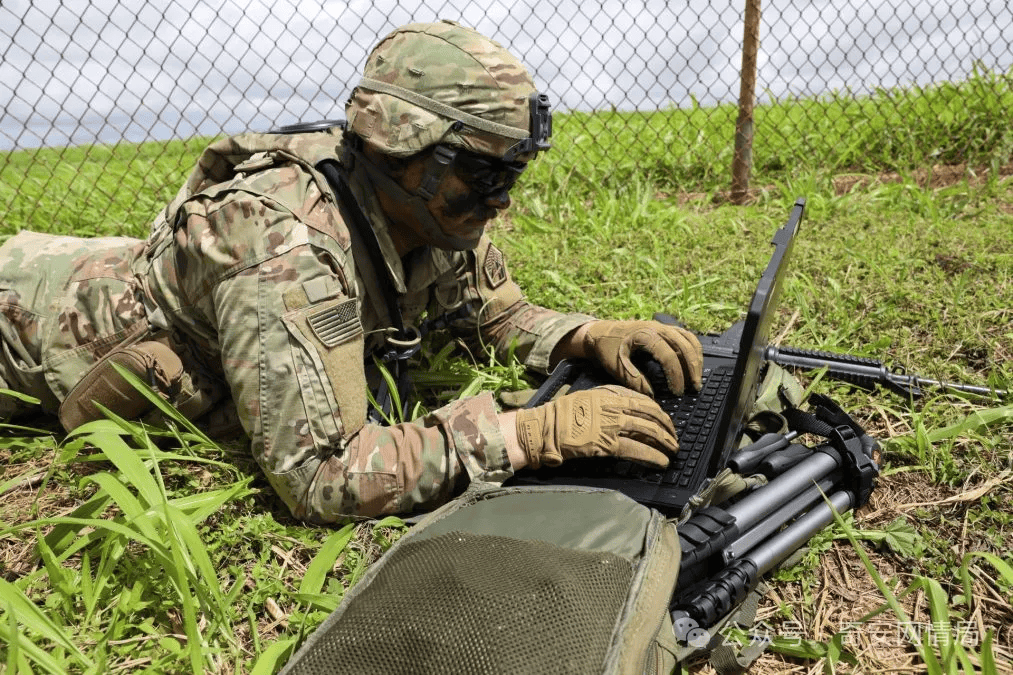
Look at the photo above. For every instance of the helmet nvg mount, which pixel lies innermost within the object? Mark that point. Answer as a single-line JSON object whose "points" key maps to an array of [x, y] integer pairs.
{"points": [[442, 83]]}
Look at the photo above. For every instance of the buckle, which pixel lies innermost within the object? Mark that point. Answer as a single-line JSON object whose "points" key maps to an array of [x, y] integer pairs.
{"points": [[436, 168], [402, 345]]}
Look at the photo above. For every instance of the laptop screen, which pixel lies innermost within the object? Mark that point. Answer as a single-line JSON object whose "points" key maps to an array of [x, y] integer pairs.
{"points": [[762, 309]]}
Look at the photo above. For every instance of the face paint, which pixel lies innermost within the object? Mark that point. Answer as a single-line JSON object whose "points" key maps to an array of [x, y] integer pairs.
{"points": [[455, 205], [420, 217], [460, 211], [474, 193], [462, 204]]}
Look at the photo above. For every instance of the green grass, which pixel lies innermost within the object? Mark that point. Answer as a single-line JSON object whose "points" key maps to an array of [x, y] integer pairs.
{"points": [[692, 150], [117, 189], [125, 548], [93, 190]]}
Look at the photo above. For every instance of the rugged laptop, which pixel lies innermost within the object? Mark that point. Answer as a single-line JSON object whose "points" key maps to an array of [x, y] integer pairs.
{"points": [[709, 423]]}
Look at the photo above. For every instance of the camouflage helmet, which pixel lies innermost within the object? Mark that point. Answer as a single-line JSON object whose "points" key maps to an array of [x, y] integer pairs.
{"points": [[430, 83]]}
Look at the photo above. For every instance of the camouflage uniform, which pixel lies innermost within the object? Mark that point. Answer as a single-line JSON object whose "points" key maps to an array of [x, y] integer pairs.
{"points": [[239, 270], [65, 302], [249, 277]]}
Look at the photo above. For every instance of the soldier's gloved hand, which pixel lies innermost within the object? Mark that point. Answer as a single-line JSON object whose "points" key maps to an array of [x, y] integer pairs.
{"points": [[675, 349], [597, 422]]}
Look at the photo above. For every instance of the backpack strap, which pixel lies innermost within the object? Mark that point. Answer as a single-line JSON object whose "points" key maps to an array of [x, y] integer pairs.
{"points": [[729, 659], [403, 343], [825, 418]]}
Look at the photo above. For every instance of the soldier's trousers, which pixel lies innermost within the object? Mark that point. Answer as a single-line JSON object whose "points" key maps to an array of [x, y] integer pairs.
{"points": [[65, 302]]}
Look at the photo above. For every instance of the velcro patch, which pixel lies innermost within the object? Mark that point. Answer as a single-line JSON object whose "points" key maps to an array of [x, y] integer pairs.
{"points": [[366, 129], [494, 267], [336, 324], [320, 289]]}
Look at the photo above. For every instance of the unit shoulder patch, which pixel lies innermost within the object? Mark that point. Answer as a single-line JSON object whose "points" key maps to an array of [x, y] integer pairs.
{"points": [[494, 267]]}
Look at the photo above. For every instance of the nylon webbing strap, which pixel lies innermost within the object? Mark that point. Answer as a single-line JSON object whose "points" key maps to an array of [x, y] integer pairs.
{"points": [[826, 417], [443, 109], [363, 237], [729, 659], [374, 269]]}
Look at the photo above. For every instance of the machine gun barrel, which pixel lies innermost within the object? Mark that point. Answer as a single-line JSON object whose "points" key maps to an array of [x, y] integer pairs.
{"points": [[867, 373]]}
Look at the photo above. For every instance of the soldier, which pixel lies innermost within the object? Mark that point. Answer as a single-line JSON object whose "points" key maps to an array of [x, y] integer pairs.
{"points": [[287, 261]]}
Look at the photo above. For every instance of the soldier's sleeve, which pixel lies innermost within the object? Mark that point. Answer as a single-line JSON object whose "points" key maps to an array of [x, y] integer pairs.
{"points": [[292, 349], [301, 393], [408, 467], [504, 317]]}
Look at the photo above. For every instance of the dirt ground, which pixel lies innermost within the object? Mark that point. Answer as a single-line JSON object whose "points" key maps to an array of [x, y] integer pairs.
{"points": [[934, 177]]}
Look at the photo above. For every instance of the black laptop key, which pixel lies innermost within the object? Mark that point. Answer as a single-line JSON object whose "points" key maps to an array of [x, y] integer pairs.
{"points": [[693, 419]]}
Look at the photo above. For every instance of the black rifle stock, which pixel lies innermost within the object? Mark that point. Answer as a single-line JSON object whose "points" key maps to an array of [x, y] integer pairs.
{"points": [[867, 373]]}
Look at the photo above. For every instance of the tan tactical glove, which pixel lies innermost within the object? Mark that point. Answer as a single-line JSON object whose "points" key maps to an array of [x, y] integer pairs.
{"points": [[596, 422], [675, 349]]}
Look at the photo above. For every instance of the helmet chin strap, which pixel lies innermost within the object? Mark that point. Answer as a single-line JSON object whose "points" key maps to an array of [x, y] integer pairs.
{"points": [[437, 167]]}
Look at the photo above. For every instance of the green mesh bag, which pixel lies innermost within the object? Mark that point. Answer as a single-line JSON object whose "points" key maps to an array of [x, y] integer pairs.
{"points": [[511, 580], [533, 580]]}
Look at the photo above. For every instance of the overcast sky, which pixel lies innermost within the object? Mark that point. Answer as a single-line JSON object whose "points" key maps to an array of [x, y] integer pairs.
{"points": [[102, 70]]}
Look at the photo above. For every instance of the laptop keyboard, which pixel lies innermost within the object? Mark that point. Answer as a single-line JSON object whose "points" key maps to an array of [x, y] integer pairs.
{"points": [[694, 415]]}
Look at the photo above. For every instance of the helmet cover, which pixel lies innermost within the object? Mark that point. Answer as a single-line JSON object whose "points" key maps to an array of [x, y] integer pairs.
{"points": [[430, 83]]}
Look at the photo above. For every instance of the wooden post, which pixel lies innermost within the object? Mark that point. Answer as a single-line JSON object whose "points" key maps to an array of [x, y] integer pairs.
{"points": [[742, 162]]}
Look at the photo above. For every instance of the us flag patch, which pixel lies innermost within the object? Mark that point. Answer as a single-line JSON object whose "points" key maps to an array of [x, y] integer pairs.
{"points": [[336, 324]]}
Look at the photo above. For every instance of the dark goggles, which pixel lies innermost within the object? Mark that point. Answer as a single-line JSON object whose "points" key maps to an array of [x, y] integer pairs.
{"points": [[487, 176]]}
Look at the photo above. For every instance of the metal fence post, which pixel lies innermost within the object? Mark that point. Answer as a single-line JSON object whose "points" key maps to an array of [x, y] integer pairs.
{"points": [[742, 161]]}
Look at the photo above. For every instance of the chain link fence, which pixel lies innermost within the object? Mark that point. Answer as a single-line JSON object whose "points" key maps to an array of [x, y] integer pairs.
{"points": [[86, 84]]}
